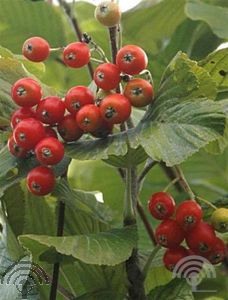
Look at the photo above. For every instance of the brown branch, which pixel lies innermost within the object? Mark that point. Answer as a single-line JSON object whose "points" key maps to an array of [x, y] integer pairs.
{"points": [[60, 227], [146, 223]]}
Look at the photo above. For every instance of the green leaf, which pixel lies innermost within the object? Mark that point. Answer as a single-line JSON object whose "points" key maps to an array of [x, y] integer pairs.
{"points": [[101, 294], [216, 64], [105, 248], [133, 157], [163, 18], [40, 18], [176, 289], [85, 202], [214, 15]]}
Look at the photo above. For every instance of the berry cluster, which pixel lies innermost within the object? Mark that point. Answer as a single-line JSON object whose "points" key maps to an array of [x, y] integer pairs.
{"points": [[34, 124], [180, 223]]}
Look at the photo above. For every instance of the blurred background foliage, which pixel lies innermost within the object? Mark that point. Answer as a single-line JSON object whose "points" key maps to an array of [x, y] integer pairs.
{"points": [[162, 28]]}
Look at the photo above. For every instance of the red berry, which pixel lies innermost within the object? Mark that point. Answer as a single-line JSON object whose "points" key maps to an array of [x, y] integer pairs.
{"points": [[50, 132], [115, 109], [49, 151], [89, 118], [28, 133], [50, 110], [161, 205], [107, 76], [26, 92], [21, 114], [169, 234], [36, 49], [77, 97], [218, 252], [16, 150], [103, 131], [173, 256], [76, 55], [41, 181], [139, 92], [188, 214], [131, 59], [69, 129], [201, 238]]}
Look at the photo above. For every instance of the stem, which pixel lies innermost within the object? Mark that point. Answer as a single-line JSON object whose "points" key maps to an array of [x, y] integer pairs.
{"points": [[150, 259], [171, 174], [75, 26], [60, 227], [184, 182], [100, 51], [148, 76], [98, 61], [129, 214], [146, 223], [170, 184], [148, 166], [206, 202]]}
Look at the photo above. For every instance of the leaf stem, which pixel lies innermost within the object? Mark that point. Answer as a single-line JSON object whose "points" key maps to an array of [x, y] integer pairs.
{"points": [[150, 259], [150, 163], [60, 227]]}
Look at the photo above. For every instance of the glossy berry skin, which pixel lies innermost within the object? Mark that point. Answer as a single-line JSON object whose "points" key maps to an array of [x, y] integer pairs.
{"points": [[49, 151], [16, 150], [76, 55], [115, 109], [28, 133], [50, 110], [41, 181], [26, 92], [161, 205], [103, 131], [169, 234], [188, 214], [36, 49], [107, 76], [89, 118], [139, 92], [219, 219], [173, 256], [50, 132], [21, 114], [218, 252], [201, 238], [77, 97], [69, 129], [108, 13], [131, 59]]}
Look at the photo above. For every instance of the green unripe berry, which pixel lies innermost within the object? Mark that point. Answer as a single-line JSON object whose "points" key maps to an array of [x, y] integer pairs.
{"points": [[219, 219], [108, 13]]}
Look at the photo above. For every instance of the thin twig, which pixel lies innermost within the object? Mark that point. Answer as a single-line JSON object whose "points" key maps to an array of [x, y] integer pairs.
{"points": [[182, 179], [55, 276], [146, 223], [148, 166], [150, 259], [171, 174], [75, 25]]}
